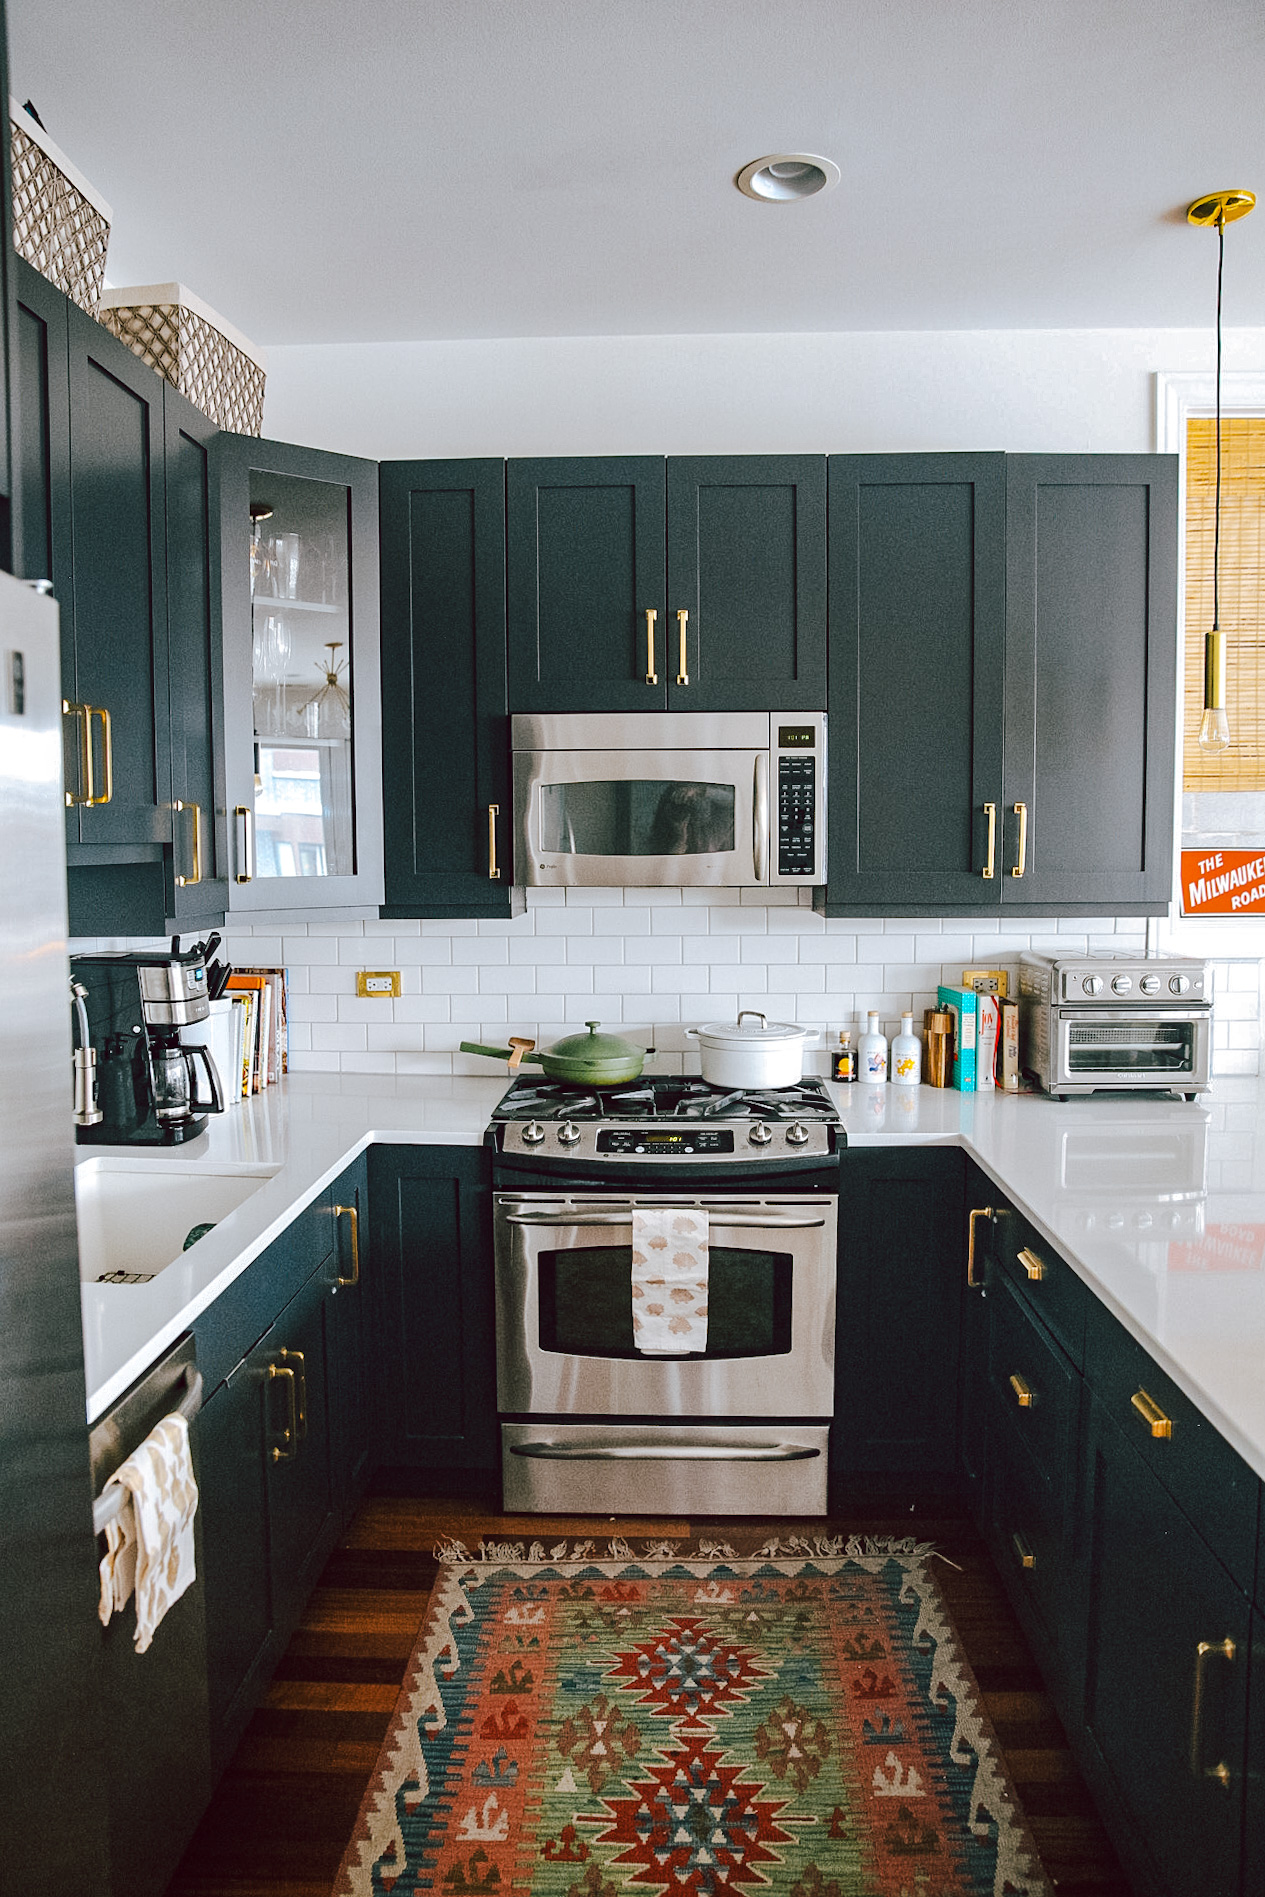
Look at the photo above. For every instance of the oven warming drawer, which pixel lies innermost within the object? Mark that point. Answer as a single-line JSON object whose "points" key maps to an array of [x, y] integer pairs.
{"points": [[640, 1469]]}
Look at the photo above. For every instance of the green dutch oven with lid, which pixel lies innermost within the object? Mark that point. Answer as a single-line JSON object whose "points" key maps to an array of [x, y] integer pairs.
{"points": [[592, 1059]]}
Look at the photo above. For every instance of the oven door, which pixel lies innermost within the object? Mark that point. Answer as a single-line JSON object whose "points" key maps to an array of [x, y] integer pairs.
{"points": [[642, 818], [564, 1331], [1124, 1047]]}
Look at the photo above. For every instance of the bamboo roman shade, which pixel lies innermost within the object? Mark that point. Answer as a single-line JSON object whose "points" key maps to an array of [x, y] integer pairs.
{"points": [[1242, 592]]}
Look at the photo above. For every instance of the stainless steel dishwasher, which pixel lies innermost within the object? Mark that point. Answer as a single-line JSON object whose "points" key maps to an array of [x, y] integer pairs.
{"points": [[154, 1731]]}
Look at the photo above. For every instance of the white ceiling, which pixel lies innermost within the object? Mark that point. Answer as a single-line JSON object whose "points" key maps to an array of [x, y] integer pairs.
{"points": [[388, 170]]}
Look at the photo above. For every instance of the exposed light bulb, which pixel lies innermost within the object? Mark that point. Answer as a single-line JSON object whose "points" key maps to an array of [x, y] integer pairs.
{"points": [[1214, 729], [1214, 726]]}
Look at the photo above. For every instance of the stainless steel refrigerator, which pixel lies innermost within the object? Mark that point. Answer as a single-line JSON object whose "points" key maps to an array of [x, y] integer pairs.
{"points": [[52, 1809]]}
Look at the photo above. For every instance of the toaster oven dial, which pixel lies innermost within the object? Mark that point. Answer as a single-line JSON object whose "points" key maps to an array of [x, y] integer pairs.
{"points": [[796, 1135], [1092, 984], [1178, 984], [1150, 984], [760, 1135], [568, 1133], [533, 1133], [1122, 984]]}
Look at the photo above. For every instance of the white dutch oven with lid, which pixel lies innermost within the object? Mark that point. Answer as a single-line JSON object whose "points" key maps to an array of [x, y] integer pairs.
{"points": [[762, 1054]]}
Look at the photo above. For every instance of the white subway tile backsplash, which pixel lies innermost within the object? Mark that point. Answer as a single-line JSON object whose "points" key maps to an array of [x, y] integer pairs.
{"points": [[649, 963]]}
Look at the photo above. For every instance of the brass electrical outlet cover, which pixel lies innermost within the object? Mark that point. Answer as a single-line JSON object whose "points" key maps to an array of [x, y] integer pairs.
{"points": [[378, 984]]}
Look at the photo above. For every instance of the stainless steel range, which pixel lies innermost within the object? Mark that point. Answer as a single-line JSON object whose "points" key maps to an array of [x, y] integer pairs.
{"points": [[736, 1419]]}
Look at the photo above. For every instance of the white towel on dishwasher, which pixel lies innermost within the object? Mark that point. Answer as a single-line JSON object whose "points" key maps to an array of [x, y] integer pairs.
{"points": [[669, 1280], [149, 1544]]}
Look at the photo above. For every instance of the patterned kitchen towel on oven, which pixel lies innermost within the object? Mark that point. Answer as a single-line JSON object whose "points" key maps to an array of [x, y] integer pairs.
{"points": [[151, 1541], [669, 1280]]}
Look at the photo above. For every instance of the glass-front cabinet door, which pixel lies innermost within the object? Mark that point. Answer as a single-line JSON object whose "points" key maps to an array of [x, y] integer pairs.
{"points": [[303, 711]]}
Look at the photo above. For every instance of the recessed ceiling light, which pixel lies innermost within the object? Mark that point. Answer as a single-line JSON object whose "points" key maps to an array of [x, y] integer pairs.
{"points": [[785, 176]]}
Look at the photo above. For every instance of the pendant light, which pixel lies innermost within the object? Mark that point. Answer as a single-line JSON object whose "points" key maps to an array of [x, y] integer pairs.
{"points": [[1219, 208]]}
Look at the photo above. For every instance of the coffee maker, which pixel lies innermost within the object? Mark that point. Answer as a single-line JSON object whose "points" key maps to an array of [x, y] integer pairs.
{"points": [[135, 1083]]}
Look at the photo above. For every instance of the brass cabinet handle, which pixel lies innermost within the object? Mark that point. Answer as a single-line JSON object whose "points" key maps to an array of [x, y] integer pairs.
{"points": [[1023, 1552], [1024, 1395], [1021, 811], [184, 882], [990, 811], [1034, 1266], [1152, 1415], [354, 1216], [682, 621], [1203, 1653], [107, 750], [300, 1399], [652, 677], [290, 1435], [246, 854], [75, 798], [494, 868], [979, 1212]]}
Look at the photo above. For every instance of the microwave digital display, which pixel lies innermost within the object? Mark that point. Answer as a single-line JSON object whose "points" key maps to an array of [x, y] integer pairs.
{"points": [[796, 738]]}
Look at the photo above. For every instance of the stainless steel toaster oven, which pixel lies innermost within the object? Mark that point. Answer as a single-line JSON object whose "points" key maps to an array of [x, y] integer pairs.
{"points": [[1115, 1023]]}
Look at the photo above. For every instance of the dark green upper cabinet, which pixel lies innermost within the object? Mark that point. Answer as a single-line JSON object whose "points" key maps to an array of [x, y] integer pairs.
{"points": [[41, 456], [696, 584], [1091, 673], [445, 735], [917, 638], [1002, 677], [197, 878], [747, 565]]}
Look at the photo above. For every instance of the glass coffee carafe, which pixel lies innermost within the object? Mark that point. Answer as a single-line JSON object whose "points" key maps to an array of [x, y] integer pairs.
{"points": [[175, 1074]]}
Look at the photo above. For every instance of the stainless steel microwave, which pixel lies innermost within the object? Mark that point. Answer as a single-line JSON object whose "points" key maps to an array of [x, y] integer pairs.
{"points": [[732, 800]]}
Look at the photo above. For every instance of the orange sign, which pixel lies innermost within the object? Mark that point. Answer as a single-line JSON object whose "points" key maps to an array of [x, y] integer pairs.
{"points": [[1223, 882]]}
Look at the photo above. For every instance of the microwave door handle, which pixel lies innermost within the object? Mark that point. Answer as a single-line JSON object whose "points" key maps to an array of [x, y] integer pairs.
{"points": [[760, 818]]}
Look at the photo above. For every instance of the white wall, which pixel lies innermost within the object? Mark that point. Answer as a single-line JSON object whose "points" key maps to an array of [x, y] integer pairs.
{"points": [[1026, 391]]}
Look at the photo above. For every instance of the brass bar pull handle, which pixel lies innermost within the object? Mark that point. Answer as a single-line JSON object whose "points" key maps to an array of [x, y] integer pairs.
{"points": [[979, 1212], [107, 751], [990, 811], [1023, 1553], [1023, 1392], [1034, 1266], [76, 798], [1152, 1415], [1225, 1649], [652, 677], [280, 1452], [351, 1212], [494, 868], [184, 882], [1021, 811], [300, 1395], [682, 673], [246, 853]]}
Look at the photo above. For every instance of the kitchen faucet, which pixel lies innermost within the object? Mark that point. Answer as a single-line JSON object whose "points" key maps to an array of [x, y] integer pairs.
{"points": [[84, 1057]]}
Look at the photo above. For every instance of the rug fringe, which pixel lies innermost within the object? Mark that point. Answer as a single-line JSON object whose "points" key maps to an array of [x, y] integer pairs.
{"points": [[775, 1547]]}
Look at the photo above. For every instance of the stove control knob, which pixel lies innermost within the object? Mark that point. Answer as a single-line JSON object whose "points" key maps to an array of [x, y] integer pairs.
{"points": [[1122, 984], [1178, 984], [1150, 984], [568, 1133], [1092, 984], [533, 1133], [760, 1134], [796, 1135]]}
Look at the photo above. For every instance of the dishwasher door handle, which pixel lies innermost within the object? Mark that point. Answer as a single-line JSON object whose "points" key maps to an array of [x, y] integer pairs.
{"points": [[665, 1452]]}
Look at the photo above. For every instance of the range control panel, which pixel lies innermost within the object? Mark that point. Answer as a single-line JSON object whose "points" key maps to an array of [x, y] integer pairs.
{"points": [[658, 1140]]}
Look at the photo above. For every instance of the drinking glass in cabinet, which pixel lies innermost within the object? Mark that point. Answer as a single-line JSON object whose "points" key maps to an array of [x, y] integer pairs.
{"points": [[302, 677]]}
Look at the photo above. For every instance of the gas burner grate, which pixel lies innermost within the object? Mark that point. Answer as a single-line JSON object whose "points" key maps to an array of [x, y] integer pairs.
{"points": [[664, 1097]]}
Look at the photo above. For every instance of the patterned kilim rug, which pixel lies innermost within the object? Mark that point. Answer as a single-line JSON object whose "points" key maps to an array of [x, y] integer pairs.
{"points": [[578, 1722]]}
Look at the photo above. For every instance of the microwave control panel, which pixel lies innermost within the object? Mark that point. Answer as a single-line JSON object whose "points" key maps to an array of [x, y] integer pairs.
{"points": [[796, 816]]}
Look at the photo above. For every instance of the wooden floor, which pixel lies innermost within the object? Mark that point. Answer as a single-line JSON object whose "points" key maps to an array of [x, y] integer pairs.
{"points": [[285, 1808]]}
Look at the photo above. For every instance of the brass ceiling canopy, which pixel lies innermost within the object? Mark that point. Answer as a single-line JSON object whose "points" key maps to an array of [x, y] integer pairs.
{"points": [[1224, 207]]}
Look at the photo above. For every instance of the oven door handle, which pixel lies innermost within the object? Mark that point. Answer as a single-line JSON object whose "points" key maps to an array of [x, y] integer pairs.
{"points": [[664, 1452], [766, 1221]]}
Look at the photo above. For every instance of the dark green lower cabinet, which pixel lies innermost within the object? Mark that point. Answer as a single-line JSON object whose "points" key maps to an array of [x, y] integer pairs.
{"points": [[354, 1334], [898, 1315], [1254, 1783], [1166, 1683], [432, 1248]]}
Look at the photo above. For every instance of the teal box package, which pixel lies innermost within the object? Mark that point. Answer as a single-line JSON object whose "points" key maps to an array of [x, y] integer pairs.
{"points": [[960, 1003]]}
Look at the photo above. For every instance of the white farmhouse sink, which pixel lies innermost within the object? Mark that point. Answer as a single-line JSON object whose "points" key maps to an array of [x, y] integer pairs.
{"points": [[134, 1214]]}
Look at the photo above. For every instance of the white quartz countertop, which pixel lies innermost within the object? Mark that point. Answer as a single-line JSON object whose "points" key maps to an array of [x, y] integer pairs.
{"points": [[1158, 1204]]}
